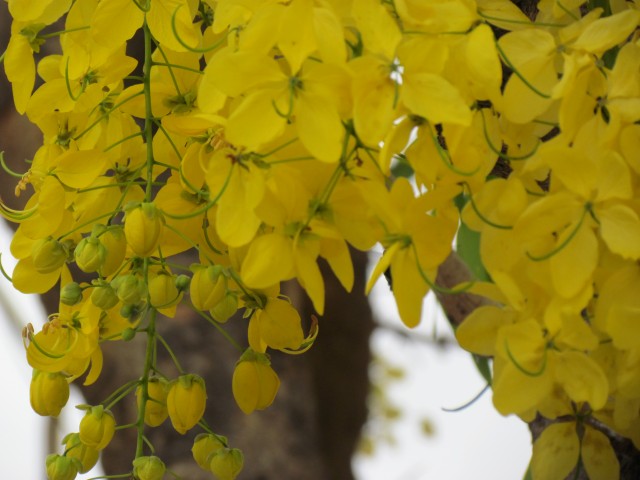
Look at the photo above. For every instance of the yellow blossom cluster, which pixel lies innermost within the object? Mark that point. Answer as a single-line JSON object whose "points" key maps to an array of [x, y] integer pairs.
{"points": [[267, 134]]}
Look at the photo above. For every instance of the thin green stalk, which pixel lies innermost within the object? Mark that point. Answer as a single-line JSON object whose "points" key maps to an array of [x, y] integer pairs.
{"points": [[151, 326]]}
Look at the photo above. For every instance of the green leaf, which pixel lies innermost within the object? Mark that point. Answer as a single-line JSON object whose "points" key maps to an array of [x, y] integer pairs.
{"points": [[468, 248]]}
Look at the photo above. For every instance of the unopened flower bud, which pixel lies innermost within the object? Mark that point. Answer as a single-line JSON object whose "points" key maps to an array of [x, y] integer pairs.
{"points": [[186, 402], [48, 255], [225, 308], [130, 288], [60, 467], [128, 334], [182, 282], [90, 254], [87, 456], [227, 463], [71, 294], [163, 291], [97, 427], [254, 384], [148, 468], [115, 245], [132, 312], [205, 445], [104, 296], [48, 393], [208, 286], [143, 227], [155, 411]]}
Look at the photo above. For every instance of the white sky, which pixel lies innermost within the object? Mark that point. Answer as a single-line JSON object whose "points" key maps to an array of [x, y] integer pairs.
{"points": [[474, 443]]}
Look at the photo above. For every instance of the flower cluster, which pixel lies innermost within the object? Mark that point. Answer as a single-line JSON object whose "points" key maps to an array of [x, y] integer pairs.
{"points": [[266, 135]]}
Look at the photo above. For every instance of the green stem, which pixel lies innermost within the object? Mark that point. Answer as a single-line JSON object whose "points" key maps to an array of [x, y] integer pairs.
{"points": [[481, 215], [171, 354], [224, 333], [60, 32], [126, 388], [6, 168], [518, 74], [563, 244], [122, 140], [151, 326]]}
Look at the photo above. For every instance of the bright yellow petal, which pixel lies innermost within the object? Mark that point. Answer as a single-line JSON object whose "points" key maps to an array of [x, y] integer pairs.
{"points": [[159, 19], [434, 98], [256, 122], [620, 229], [309, 274], [582, 378], [268, 261], [573, 266], [20, 69], [479, 331], [319, 127], [555, 452], [113, 23], [79, 169], [597, 455], [409, 288]]}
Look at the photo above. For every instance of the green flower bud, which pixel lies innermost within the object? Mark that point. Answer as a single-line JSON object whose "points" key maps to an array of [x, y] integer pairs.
{"points": [[182, 282], [115, 245], [204, 446], [186, 402], [148, 468], [130, 288], [71, 294], [225, 308], [131, 312], [48, 393], [227, 463], [87, 456], [48, 255], [60, 467], [143, 227], [90, 254], [128, 334], [97, 427], [208, 286], [104, 296]]}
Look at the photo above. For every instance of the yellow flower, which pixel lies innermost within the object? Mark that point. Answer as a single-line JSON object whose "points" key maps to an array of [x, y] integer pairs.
{"points": [[97, 427], [555, 452], [143, 227], [186, 402], [49, 255], [87, 456], [155, 411], [115, 243], [204, 446], [90, 254], [163, 292], [227, 463], [48, 393], [208, 286], [255, 384], [225, 308], [61, 467], [277, 325], [148, 468]]}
